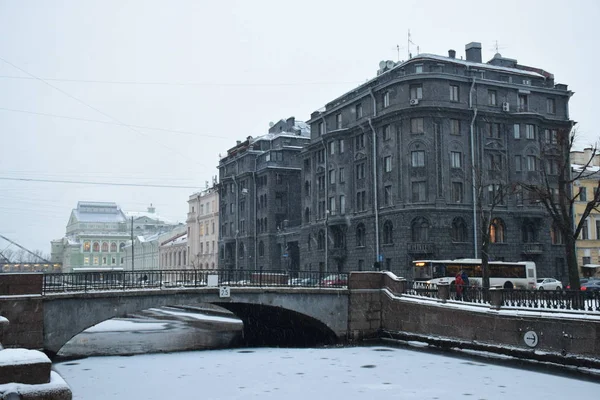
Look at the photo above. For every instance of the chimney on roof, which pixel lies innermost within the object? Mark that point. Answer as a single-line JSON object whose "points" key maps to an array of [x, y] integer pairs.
{"points": [[238, 142], [473, 52], [151, 209], [452, 53]]}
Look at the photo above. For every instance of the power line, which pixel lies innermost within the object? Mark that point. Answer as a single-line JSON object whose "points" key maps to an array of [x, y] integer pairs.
{"points": [[183, 83], [84, 103], [111, 123], [98, 183]]}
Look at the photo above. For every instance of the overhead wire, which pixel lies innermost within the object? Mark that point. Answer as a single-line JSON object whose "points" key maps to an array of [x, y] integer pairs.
{"points": [[97, 183]]}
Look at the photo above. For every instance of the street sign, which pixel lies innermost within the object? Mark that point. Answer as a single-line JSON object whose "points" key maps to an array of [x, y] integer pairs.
{"points": [[285, 254], [530, 338], [381, 257], [224, 291]]}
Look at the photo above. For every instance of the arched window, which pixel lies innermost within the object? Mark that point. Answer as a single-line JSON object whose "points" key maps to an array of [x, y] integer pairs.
{"points": [[87, 246], [497, 231], [105, 247], [556, 235], [388, 232], [96, 247], [309, 242], [360, 235], [420, 230], [261, 249], [307, 215], [459, 230], [528, 232], [321, 240], [242, 250], [121, 245], [113, 247], [307, 188]]}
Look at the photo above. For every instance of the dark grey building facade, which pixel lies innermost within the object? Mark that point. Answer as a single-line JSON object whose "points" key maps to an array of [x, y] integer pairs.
{"points": [[260, 201], [389, 173]]}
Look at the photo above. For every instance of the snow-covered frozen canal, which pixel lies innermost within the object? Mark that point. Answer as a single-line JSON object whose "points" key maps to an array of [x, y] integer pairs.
{"points": [[341, 373]]}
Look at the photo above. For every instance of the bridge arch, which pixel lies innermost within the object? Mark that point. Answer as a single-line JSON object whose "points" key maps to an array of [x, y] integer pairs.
{"points": [[320, 315]]}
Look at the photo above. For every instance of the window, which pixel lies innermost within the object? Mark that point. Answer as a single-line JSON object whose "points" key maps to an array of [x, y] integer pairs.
{"points": [[231, 208], [320, 240], [104, 247], [453, 93], [361, 201], [518, 164], [113, 247], [342, 174], [261, 249], [551, 106], [86, 246], [419, 191], [358, 111], [531, 163], [586, 260], [419, 69], [497, 231], [495, 194], [597, 229], [360, 235], [332, 176], [416, 125], [321, 182], [457, 192], [342, 145], [554, 136], [582, 194], [459, 230], [584, 231], [387, 132], [491, 97], [495, 162], [386, 99], [387, 196], [418, 158], [321, 129], [416, 92], [388, 232], [547, 136], [517, 131], [455, 159], [387, 163], [359, 141], [338, 121], [551, 166], [529, 132], [556, 234], [331, 146], [528, 232], [96, 247], [360, 171], [519, 195], [522, 103], [420, 230], [342, 204], [332, 205], [454, 127]]}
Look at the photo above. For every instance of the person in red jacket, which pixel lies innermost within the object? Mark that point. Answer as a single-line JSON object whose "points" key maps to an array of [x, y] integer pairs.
{"points": [[459, 283]]}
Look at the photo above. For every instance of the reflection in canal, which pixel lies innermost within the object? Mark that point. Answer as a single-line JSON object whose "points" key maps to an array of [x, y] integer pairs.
{"points": [[156, 330]]}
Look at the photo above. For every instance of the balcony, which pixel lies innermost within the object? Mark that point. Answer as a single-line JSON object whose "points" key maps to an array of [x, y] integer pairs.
{"points": [[532, 248], [420, 248]]}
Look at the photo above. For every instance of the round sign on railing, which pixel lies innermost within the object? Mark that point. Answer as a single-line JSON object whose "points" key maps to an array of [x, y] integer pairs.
{"points": [[530, 338]]}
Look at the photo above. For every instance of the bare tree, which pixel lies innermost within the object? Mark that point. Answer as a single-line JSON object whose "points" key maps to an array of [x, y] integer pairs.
{"points": [[554, 191], [489, 193]]}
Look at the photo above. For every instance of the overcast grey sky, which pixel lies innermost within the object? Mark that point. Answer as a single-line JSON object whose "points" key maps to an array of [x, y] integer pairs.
{"points": [[204, 74]]}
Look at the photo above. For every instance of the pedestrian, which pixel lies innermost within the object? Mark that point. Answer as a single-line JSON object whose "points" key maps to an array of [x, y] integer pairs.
{"points": [[465, 279], [458, 283]]}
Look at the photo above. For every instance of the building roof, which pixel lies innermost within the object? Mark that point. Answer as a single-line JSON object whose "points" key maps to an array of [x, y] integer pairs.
{"points": [[89, 211], [150, 215], [177, 240]]}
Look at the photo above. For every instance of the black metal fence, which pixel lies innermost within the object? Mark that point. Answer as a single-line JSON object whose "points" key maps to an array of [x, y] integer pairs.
{"points": [[170, 279], [513, 298]]}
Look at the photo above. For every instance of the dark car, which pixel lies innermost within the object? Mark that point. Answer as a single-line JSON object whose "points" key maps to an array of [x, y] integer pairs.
{"points": [[591, 286], [583, 281]]}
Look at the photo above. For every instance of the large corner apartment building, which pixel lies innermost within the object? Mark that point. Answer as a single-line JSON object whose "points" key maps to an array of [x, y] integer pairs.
{"points": [[388, 175]]}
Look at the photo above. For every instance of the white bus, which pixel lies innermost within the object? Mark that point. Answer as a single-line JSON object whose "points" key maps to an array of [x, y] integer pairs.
{"points": [[507, 275]]}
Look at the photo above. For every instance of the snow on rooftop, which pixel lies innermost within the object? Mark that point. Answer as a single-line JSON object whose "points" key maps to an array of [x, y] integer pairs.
{"points": [[478, 65], [590, 168]]}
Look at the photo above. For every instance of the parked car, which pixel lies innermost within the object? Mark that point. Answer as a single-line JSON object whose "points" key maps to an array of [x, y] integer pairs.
{"points": [[583, 281], [336, 280], [591, 286], [548, 284]]}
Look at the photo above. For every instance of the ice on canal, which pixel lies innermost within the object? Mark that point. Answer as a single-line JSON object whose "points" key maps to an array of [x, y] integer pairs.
{"points": [[344, 373]]}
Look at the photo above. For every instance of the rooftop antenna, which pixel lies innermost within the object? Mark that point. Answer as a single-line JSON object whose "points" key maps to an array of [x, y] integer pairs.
{"points": [[409, 42], [497, 48]]}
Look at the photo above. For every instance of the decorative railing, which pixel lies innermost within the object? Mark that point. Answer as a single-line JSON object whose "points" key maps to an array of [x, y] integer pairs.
{"points": [[188, 278]]}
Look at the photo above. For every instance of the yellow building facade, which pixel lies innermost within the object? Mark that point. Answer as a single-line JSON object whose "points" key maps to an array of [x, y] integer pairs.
{"points": [[588, 243]]}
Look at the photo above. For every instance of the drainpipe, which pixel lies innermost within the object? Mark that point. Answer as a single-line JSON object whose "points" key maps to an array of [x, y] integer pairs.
{"points": [[326, 196], [255, 217], [375, 189], [473, 189], [237, 217]]}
